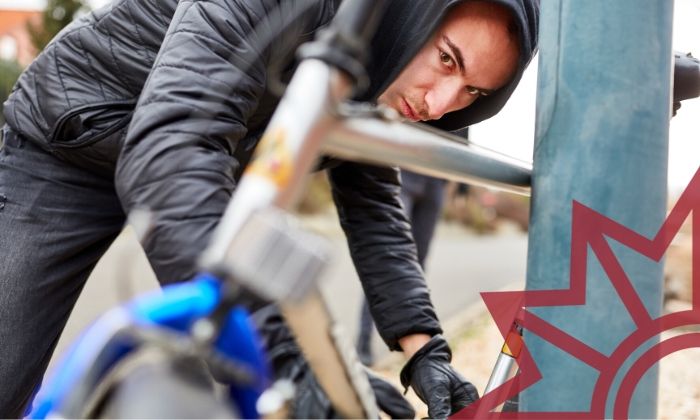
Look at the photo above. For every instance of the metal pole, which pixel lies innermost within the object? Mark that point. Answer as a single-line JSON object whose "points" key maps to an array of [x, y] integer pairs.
{"points": [[602, 140]]}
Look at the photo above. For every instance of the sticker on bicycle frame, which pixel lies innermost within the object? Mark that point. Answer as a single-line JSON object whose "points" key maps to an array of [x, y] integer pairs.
{"points": [[271, 159]]}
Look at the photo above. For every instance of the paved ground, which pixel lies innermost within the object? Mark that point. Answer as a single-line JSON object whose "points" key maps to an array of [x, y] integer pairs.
{"points": [[460, 265]]}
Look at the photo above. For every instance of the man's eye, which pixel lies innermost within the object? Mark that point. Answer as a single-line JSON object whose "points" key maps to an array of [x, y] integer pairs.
{"points": [[445, 58]]}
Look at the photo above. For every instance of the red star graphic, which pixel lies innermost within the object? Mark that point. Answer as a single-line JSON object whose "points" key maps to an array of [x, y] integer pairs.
{"points": [[590, 229]]}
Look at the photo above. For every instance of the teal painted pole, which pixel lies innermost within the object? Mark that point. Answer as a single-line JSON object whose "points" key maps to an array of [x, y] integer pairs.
{"points": [[603, 109]]}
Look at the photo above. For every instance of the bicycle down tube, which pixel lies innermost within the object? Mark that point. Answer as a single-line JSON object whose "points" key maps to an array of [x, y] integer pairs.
{"points": [[273, 178]]}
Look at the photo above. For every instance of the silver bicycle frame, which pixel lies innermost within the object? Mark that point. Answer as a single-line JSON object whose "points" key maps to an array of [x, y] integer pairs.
{"points": [[309, 122], [386, 140]]}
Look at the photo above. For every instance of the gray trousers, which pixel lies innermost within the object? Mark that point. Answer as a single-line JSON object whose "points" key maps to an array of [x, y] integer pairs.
{"points": [[422, 198], [56, 221]]}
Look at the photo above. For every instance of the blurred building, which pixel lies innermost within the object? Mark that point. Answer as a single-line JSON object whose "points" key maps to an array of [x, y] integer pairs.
{"points": [[14, 38]]}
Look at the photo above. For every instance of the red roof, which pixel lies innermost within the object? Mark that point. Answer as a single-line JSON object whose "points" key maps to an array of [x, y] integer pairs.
{"points": [[13, 24], [11, 20]]}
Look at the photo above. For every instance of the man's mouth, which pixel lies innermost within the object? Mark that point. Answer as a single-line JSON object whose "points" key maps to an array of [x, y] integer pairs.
{"points": [[407, 111]]}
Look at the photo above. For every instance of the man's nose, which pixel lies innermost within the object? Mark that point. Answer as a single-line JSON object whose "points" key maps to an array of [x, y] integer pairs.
{"points": [[444, 97]]}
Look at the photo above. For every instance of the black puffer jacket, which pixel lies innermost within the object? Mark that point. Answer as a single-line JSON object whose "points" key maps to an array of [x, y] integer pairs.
{"points": [[199, 72]]}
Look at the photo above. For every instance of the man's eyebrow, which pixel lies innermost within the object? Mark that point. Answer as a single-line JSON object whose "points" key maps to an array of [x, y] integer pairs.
{"points": [[456, 52], [460, 63]]}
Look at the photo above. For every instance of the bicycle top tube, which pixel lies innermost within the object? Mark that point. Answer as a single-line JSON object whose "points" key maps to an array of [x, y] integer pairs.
{"points": [[421, 148]]}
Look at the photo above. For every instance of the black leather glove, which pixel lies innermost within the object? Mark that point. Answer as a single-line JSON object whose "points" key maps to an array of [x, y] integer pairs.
{"points": [[310, 401], [435, 382], [389, 399]]}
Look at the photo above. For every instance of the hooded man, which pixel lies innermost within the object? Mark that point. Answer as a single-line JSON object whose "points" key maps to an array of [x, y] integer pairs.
{"points": [[188, 79]]}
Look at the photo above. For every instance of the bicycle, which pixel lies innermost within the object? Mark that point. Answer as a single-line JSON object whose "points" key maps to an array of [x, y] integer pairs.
{"points": [[197, 319]]}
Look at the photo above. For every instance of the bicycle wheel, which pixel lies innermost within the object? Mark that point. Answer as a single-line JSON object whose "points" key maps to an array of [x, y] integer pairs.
{"points": [[154, 384]]}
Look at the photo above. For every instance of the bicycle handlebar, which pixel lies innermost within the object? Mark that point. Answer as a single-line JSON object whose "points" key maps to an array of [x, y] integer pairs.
{"points": [[686, 77]]}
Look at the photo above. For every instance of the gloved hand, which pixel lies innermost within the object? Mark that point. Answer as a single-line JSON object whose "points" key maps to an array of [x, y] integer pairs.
{"points": [[435, 382], [310, 401], [389, 399]]}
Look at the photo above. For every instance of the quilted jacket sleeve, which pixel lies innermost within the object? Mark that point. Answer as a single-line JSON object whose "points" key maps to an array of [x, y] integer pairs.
{"points": [[178, 158], [382, 248]]}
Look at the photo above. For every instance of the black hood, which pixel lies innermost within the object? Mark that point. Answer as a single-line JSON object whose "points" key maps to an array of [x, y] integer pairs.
{"points": [[405, 28]]}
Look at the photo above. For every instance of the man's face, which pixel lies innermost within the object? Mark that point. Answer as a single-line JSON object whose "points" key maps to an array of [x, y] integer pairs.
{"points": [[471, 54]]}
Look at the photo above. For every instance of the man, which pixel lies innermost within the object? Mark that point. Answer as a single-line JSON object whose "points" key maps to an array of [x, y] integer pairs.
{"points": [[188, 79]]}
